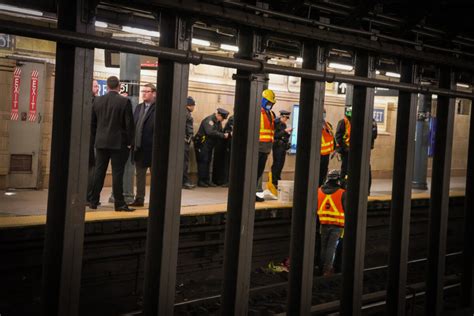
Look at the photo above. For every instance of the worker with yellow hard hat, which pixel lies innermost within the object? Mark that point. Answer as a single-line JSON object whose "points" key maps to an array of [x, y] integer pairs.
{"points": [[267, 131]]}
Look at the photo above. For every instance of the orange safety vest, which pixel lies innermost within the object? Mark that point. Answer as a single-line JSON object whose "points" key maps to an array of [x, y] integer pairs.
{"points": [[327, 140], [347, 133], [330, 209], [267, 127]]}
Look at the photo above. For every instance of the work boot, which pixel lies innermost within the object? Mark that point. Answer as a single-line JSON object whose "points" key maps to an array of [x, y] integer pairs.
{"points": [[211, 184], [203, 184], [259, 197], [188, 186]]}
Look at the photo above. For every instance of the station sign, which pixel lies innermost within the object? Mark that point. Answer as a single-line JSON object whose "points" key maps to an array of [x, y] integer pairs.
{"points": [[6, 41]]}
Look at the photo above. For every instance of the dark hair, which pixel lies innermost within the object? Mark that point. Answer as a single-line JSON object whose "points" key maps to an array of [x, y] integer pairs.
{"points": [[113, 82], [151, 86]]}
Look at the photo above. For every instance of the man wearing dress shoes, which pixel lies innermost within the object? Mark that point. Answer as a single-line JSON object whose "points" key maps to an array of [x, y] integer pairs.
{"points": [[124, 208]]}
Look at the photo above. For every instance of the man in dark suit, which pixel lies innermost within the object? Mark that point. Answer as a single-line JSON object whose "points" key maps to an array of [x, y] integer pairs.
{"points": [[144, 118], [113, 130]]}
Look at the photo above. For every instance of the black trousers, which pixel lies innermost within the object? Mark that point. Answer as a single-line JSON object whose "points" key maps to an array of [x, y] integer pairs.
{"points": [[90, 182], [262, 160], [279, 156], [323, 169], [119, 158], [186, 163], [204, 157], [218, 163], [344, 164]]}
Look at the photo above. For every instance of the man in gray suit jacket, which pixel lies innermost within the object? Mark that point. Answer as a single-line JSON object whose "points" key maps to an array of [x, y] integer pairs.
{"points": [[113, 130]]}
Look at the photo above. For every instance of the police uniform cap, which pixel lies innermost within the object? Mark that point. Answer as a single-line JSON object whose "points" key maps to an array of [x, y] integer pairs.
{"points": [[223, 112], [190, 101], [285, 112]]}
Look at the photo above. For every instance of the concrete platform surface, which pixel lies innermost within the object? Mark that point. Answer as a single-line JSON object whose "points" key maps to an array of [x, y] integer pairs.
{"points": [[34, 202]]}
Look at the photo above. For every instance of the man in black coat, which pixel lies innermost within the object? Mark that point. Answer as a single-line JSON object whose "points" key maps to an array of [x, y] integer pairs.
{"points": [[281, 144], [188, 137], [209, 132], [144, 118], [112, 128]]}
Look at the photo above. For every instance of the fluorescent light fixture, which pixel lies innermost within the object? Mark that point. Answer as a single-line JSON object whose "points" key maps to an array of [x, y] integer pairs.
{"points": [[381, 89], [392, 74], [232, 48], [101, 24], [341, 66], [6, 7], [299, 59], [200, 42], [377, 72], [463, 85], [138, 31]]}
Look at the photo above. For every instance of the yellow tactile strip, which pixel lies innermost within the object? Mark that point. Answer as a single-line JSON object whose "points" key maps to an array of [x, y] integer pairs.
{"points": [[193, 210]]}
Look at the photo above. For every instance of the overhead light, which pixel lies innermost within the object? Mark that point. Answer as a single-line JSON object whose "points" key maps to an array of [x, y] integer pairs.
{"points": [[381, 89], [377, 72], [299, 59], [200, 42], [341, 66], [101, 24], [392, 74], [232, 48], [463, 85], [6, 7], [139, 31]]}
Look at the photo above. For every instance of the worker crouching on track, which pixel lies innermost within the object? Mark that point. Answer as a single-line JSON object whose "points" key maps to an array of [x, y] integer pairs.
{"points": [[331, 201]]}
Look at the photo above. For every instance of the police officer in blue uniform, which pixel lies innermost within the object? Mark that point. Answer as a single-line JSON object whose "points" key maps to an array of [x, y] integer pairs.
{"points": [[281, 144], [209, 132]]}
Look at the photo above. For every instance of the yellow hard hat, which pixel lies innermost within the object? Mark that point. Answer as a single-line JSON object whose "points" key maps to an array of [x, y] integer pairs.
{"points": [[269, 95]]}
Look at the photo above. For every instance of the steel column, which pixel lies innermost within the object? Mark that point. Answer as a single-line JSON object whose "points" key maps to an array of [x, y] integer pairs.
{"points": [[243, 184], [305, 202], [401, 194], [166, 172], [356, 206], [467, 281], [439, 200], [63, 246]]}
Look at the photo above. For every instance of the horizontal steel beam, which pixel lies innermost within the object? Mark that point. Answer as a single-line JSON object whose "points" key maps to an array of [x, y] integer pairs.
{"points": [[94, 41]]}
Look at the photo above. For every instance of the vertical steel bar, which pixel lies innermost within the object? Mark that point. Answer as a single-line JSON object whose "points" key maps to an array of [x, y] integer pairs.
{"points": [[439, 201], [243, 178], [358, 183], [401, 194], [467, 299], [63, 247], [166, 172], [303, 223]]}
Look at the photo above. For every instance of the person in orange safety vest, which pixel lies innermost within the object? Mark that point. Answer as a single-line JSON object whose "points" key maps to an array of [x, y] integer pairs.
{"points": [[327, 148], [330, 211], [267, 131]]}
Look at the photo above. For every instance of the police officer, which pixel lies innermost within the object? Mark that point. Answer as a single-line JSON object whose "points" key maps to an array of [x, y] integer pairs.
{"points": [[221, 162], [188, 137], [281, 144], [343, 139], [327, 148], [267, 131], [209, 132], [331, 206]]}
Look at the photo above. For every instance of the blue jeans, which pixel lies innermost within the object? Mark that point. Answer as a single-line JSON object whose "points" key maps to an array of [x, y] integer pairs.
{"points": [[330, 235]]}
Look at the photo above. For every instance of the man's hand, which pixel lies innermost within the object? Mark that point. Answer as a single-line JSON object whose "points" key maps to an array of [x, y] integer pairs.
{"points": [[289, 130], [226, 135]]}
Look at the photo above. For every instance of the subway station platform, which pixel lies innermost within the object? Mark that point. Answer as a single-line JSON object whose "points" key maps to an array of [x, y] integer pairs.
{"points": [[28, 207]]}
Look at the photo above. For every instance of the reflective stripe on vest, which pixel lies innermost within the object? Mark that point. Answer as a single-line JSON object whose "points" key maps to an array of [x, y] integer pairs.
{"points": [[267, 127], [327, 140], [330, 209], [347, 133]]}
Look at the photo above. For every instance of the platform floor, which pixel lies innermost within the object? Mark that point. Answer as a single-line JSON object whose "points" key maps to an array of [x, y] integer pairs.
{"points": [[28, 207]]}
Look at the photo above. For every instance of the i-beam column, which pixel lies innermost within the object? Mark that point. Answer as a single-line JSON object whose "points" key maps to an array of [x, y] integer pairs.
{"points": [[305, 202], [467, 298], [243, 178], [64, 237], [439, 201], [166, 172], [357, 189], [401, 194]]}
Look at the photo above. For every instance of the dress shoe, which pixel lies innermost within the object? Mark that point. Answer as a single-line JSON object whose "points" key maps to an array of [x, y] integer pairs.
{"points": [[188, 186], [211, 184], [92, 206], [137, 203], [202, 184], [225, 185], [124, 208]]}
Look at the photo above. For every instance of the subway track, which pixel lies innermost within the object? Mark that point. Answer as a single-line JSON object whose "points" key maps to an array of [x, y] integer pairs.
{"points": [[113, 265]]}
